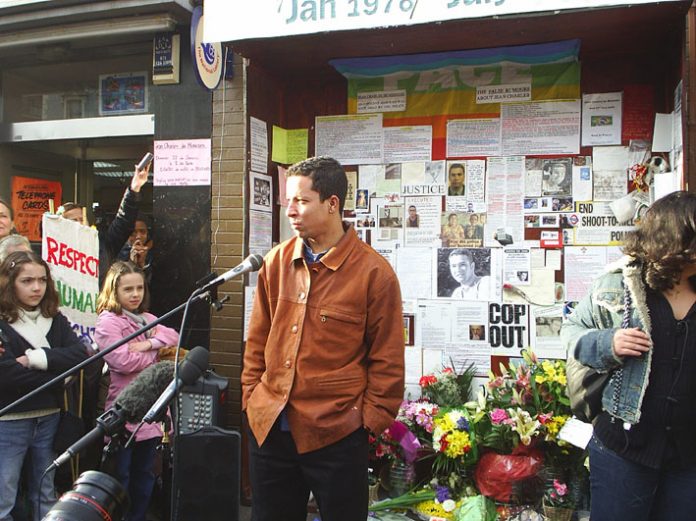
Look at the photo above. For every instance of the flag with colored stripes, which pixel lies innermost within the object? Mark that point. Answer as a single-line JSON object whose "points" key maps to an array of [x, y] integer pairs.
{"points": [[456, 85]]}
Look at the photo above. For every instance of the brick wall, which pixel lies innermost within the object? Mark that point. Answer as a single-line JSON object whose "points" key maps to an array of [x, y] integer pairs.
{"points": [[227, 232]]}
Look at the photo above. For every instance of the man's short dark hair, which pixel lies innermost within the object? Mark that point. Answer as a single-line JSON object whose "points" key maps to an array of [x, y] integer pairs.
{"points": [[412, 207], [461, 252], [327, 175]]}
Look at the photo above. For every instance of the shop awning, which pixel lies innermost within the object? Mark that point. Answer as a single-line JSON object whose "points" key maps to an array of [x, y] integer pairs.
{"points": [[617, 28], [232, 21]]}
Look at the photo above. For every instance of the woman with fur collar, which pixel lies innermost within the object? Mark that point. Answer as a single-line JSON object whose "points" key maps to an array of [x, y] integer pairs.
{"points": [[642, 454], [37, 345]]}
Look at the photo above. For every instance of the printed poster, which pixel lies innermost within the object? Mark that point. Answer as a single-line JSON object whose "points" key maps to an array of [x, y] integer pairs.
{"points": [[30, 199]]}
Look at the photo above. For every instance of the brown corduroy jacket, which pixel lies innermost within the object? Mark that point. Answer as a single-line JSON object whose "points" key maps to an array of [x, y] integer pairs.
{"points": [[325, 342]]}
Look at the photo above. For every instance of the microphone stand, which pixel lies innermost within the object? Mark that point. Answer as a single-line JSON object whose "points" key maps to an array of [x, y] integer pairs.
{"points": [[198, 295], [175, 424]]}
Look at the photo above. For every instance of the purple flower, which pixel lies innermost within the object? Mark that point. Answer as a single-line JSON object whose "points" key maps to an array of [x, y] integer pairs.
{"points": [[442, 493], [463, 424]]}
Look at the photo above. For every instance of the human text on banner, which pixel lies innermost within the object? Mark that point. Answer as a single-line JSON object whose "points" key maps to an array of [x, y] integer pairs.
{"points": [[72, 252]]}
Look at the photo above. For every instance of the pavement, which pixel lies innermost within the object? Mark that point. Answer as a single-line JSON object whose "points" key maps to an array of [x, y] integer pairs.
{"points": [[245, 514]]}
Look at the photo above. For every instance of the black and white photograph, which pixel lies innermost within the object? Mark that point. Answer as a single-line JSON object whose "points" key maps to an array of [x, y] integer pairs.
{"points": [[557, 177], [262, 192], [464, 273], [548, 326]]}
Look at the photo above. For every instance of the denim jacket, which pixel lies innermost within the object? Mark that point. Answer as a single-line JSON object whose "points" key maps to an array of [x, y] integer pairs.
{"points": [[588, 334]]}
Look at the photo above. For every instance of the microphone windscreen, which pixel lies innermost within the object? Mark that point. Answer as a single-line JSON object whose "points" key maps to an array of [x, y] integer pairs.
{"points": [[139, 395], [256, 261], [194, 365]]}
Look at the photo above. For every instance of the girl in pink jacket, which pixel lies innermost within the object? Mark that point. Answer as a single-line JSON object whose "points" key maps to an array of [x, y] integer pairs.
{"points": [[121, 306]]}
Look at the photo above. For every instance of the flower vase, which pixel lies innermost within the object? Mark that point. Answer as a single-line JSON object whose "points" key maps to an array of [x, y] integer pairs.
{"points": [[373, 493], [557, 513], [402, 476]]}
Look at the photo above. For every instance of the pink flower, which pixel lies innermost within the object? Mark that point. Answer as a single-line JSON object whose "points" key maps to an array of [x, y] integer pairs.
{"points": [[498, 416], [545, 418], [496, 382], [447, 370], [561, 488]]}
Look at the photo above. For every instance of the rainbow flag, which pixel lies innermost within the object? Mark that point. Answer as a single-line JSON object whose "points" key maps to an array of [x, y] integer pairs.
{"points": [[443, 86]]}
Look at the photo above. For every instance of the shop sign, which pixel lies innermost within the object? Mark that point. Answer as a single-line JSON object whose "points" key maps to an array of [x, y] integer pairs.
{"points": [[242, 20], [206, 54]]}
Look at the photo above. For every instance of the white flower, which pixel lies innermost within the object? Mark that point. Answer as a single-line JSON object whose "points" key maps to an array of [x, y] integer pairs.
{"points": [[448, 505]]}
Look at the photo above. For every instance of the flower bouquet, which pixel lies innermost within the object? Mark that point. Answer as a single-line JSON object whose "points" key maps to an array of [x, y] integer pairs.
{"points": [[454, 443], [557, 503], [448, 388]]}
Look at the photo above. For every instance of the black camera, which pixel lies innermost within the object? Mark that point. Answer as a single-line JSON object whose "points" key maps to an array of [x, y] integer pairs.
{"points": [[95, 496]]}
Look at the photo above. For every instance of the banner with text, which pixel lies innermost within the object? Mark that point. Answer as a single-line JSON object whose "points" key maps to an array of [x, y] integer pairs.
{"points": [[463, 84], [72, 252]]}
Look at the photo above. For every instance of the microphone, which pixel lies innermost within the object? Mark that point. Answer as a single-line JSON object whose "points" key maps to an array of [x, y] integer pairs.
{"points": [[193, 366], [251, 263], [129, 406]]}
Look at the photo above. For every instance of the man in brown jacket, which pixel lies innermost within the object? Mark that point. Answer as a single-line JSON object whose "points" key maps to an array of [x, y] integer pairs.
{"points": [[324, 359]]}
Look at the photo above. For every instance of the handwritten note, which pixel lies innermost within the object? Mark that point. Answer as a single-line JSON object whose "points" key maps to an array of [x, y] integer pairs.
{"points": [[184, 162]]}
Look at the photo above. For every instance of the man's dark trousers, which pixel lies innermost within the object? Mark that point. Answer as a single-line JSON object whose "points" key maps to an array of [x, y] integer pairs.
{"points": [[281, 479]]}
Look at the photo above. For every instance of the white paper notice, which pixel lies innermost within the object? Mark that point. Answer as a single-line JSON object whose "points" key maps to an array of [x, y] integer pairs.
{"points": [[541, 128], [662, 133], [546, 330], [473, 137], [351, 140], [582, 265], [422, 221], [249, 292], [260, 231], [381, 101], [582, 178], [183, 162], [403, 144], [601, 119], [414, 269], [413, 361], [505, 188], [423, 178], [258, 145], [434, 324], [517, 266]]}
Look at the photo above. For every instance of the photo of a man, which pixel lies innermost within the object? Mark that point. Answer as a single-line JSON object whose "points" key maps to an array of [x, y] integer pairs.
{"points": [[455, 179], [464, 273], [413, 217], [556, 177], [477, 332]]}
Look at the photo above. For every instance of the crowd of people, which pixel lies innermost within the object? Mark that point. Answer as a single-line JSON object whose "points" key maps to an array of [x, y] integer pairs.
{"points": [[37, 343]]}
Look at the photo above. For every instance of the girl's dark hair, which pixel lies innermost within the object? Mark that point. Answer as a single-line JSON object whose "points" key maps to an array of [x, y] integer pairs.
{"points": [[665, 240], [9, 271], [108, 297]]}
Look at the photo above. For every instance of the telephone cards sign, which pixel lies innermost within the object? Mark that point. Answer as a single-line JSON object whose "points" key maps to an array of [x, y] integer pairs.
{"points": [[227, 20]]}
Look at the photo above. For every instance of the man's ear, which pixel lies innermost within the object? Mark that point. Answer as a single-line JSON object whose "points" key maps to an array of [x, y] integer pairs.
{"points": [[334, 204]]}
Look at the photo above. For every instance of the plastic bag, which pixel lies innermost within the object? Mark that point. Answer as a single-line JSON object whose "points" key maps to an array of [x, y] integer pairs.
{"points": [[497, 476], [476, 508]]}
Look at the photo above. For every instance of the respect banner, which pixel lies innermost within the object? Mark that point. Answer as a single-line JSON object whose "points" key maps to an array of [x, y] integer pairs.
{"points": [[72, 252]]}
